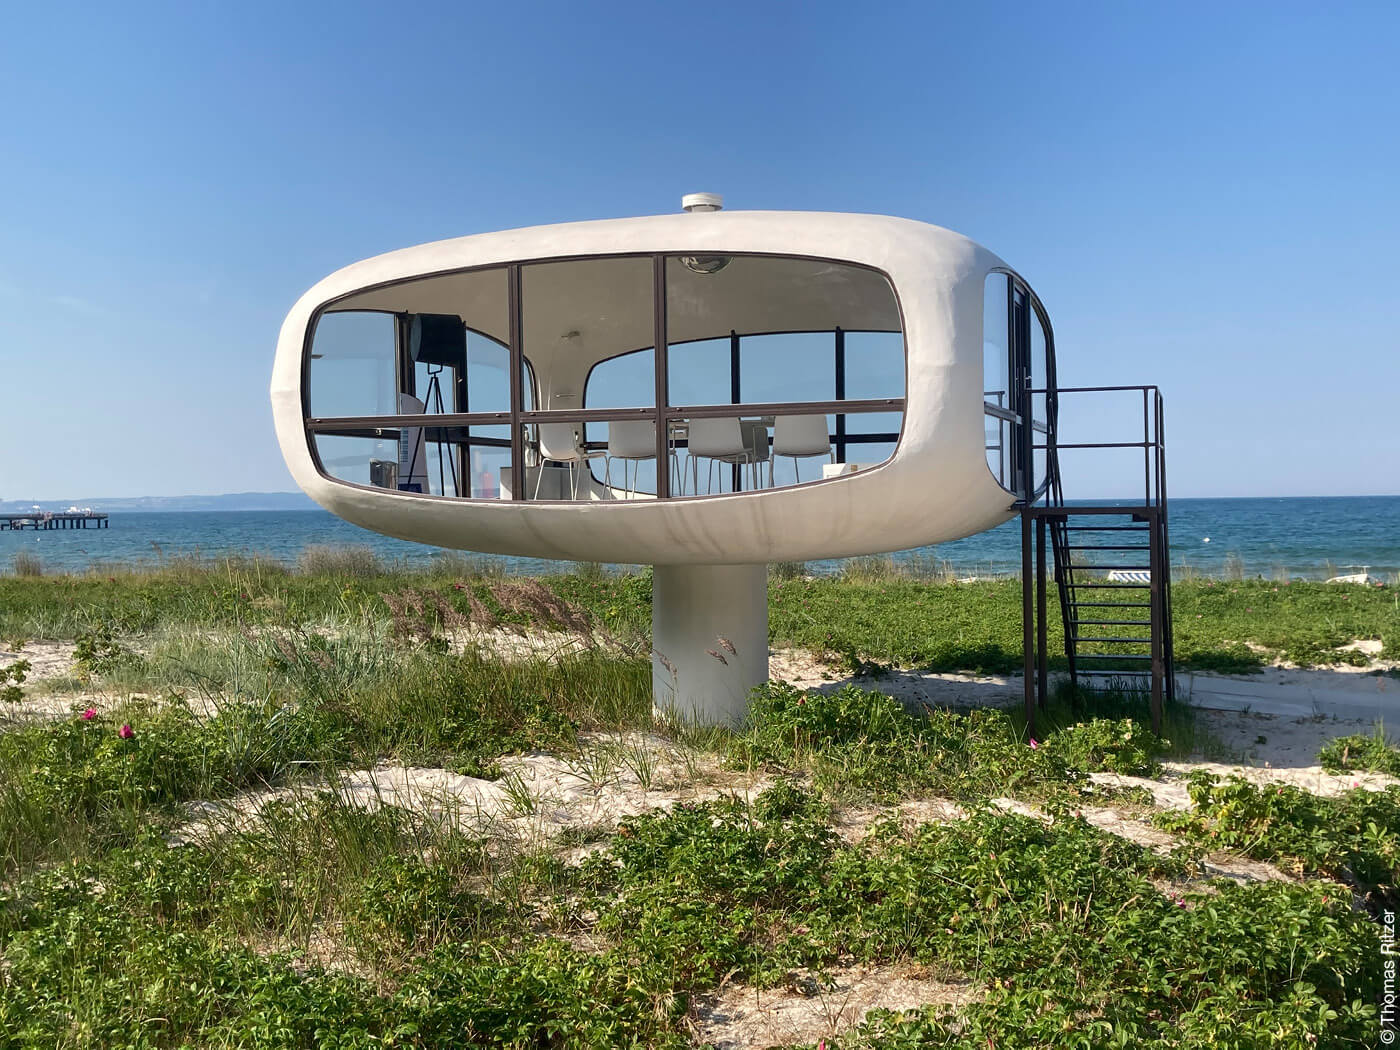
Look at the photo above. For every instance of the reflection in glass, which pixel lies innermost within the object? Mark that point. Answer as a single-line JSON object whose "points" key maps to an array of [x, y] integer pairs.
{"points": [[351, 371], [997, 432], [1040, 376], [581, 311], [360, 461], [488, 461], [996, 342]]}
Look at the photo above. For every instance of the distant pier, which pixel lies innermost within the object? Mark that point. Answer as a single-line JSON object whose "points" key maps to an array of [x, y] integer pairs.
{"points": [[48, 520]]}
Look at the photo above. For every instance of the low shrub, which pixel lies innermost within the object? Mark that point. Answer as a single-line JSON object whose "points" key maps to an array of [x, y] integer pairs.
{"points": [[352, 562], [1122, 746], [861, 740], [27, 563], [1360, 752], [97, 651], [12, 677], [1354, 836]]}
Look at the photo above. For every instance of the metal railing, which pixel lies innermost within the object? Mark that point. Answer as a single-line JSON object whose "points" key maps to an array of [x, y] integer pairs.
{"points": [[1046, 513]]}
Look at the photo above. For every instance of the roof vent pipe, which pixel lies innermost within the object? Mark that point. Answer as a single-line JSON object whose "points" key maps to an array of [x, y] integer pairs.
{"points": [[703, 264], [702, 202]]}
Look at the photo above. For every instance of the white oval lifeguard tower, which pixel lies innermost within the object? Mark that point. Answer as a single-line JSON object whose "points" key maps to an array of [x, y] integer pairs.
{"points": [[705, 392]]}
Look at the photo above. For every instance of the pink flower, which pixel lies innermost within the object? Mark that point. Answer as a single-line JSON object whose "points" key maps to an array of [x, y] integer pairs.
{"points": [[125, 732], [89, 714], [1034, 745], [1181, 902]]}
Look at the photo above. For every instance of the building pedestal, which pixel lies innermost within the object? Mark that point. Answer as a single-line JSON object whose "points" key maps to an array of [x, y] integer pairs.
{"points": [[709, 626]]}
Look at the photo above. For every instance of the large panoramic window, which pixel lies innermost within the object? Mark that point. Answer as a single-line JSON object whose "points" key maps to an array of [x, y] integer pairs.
{"points": [[574, 380], [808, 385]]}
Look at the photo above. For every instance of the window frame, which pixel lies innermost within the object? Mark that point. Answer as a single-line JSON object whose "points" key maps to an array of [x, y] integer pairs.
{"points": [[1021, 444], [662, 413]]}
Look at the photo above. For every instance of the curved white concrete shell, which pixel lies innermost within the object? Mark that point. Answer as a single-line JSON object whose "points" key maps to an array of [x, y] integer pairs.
{"points": [[935, 487]]}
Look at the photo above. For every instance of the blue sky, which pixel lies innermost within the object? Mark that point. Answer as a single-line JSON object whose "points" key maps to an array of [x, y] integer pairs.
{"points": [[1203, 196]]}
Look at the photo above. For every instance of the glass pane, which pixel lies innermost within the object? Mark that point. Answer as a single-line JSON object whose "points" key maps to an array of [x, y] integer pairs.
{"points": [[996, 343], [799, 366], [874, 422], [488, 461], [700, 372], [437, 388], [997, 431], [786, 312], [1040, 373], [725, 454], [627, 469], [874, 365], [579, 312], [352, 364], [628, 381], [360, 461], [488, 375]]}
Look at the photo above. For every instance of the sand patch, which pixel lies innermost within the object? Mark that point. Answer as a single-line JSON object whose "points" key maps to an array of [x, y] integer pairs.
{"points": [[536, 798], [853, 823], [743, 1018], [46, 660], [807, 670]]}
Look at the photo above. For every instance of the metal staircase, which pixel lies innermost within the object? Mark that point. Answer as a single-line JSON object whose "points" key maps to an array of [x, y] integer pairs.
{"points": [[1111, 564]]}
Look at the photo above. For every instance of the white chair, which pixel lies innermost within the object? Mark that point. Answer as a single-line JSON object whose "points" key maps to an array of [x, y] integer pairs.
{"points": [[800, 437], [719, 439], [760, 448], [630, 440], [561, 443]]}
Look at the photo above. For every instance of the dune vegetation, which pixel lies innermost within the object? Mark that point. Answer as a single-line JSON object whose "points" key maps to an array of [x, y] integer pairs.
{"points": [[353, 805]]}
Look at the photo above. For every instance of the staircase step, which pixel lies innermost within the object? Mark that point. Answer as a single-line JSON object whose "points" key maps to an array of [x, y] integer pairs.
{"points": [[1136, 657], [1115, 639], [1107, 547], [1113, 605], [1108, 586], [1106, 528], [1113, 623]]}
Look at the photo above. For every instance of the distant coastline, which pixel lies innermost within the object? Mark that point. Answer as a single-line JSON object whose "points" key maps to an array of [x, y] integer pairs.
{"points": [[293, 501], [1298, 538], [233, 501]]}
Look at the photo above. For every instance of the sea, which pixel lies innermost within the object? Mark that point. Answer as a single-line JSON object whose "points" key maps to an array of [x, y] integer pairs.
{"points": [[1293, 538]]}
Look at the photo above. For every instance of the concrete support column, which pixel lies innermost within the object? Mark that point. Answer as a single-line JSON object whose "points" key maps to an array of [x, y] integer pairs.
{"points": [[699, 613]]}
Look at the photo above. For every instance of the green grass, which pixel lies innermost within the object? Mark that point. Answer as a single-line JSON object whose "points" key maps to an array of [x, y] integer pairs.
{"points": [[901, 620], [317, 923]]}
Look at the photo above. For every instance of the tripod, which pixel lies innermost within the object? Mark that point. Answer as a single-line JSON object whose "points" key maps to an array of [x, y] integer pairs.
{"points": [[432, 402]]}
